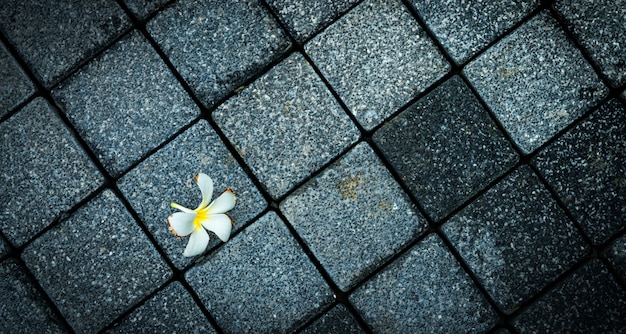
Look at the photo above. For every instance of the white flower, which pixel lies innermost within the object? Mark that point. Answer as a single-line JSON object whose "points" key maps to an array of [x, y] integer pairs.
{"points": [[211, 216]]}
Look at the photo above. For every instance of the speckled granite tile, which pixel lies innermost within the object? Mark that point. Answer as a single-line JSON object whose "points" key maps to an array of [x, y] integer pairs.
{"points": [[260, 281], [4, 248], [96, 264], [617, 255], [15, 86], [336, 321], [535, 81], [43, 164], [143, 8], [378, 72], [286, 125]]}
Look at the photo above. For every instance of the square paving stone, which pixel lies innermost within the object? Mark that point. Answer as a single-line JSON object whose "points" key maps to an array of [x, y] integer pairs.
{"points": [[353, 216], [286, 125], [535, 81], [168, 176], [172, 310], [515, 239], [425, 290], [3, 247], [304, 18], [587, 169], [378, 72], [143, 8], [217, 45], [466, 26], [125, 103], [96, 264], [599, 27], [15, 86], [54, 37], [43, 172], [617, 256], [23, 309], [260, 281], [589, 301], [338, 320], [445, 147]]}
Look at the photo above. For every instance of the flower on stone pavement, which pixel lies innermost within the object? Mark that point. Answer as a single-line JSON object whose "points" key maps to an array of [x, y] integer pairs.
{"points": [[210, 216]]}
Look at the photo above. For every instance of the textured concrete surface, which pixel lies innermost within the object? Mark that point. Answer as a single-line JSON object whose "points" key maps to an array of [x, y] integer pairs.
{"points": [[15, 87]]}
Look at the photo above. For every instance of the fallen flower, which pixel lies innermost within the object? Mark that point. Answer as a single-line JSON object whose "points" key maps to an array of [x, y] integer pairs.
{"points": [[211, 216]]}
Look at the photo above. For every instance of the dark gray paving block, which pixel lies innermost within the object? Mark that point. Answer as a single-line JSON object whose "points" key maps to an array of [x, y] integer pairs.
{"points": [[168, 176], [515, 239], [4, 248], [464, 26], [23, 309], [599, 27], [446, 148], [353, 216], [217, 45], [336, 321], [588, 301], [304, 18], [425, 290], [143, 8], [171, 310], [96, 264], [617, 255], [125, 103], [54, 37], [286, 125], [15, 86], [586, 169], [260, 281], [43, 172], [535, 81], [377, 72]]}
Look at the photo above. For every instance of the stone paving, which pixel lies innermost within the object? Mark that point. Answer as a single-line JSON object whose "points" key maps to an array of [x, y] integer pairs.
{"points": [[400, 166]]}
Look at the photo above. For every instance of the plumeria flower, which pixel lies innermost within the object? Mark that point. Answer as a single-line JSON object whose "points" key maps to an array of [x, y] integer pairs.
{"points": [[211, 216]]}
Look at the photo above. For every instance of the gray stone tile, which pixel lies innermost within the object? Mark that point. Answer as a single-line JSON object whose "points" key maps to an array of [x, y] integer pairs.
{"points": [[125, 103], [167, 176], [589, 301], [535, 81], [304, 18], [464, 26], [143, 8], [23, 309], [96, 264], [378, 72], [446, 148], [515, 239], [217, 45], [260, 281], [286, 125], [336, 321], [15, 86], [424, 290], [586, 169], [171, 310], [54, 37], [599, 27], [353, 216], [4, 248], [44, 171], [617, 255]]}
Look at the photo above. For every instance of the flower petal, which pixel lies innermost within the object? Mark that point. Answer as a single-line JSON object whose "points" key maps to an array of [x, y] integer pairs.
{"points": [[181, 208], [220, 224], [223, 202], [198, 243], [181, 223], [205, 183]]}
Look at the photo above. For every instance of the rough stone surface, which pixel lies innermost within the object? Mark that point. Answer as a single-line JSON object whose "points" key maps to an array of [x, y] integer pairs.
{"points": [[43, 164], [286, 125], [168, 176], [535, 81], [446, 148], [378, 72], [143, 8], [54, 37], [96, 264], [515, 239], [617, 256], [464, 27], [265, 283], [587, 169], [15, 86], [3, 247], [353, 216], [338, 320], [589, 301], [125, 103], [424, 289], [217, 45], [599, 27]]}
